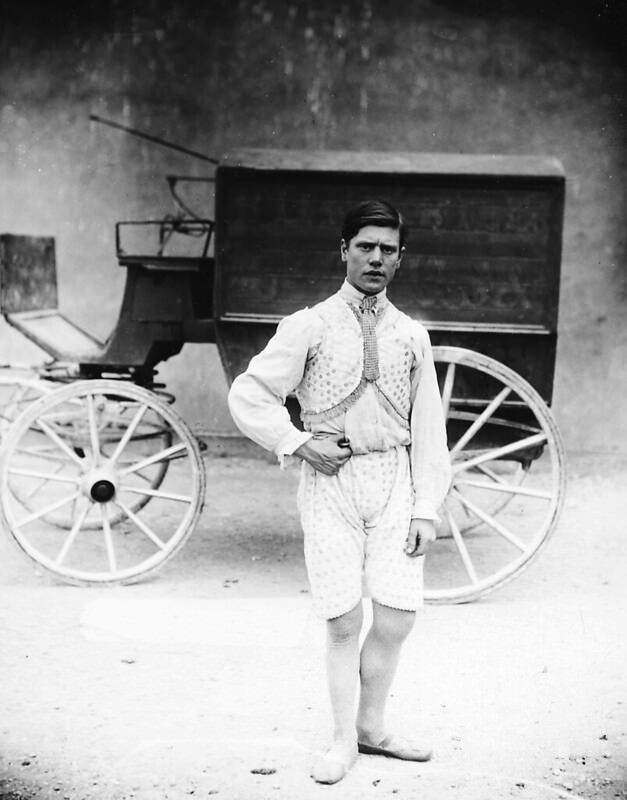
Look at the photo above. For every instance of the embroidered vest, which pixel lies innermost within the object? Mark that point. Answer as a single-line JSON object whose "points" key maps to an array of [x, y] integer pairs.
{"points": [[333, 380]]}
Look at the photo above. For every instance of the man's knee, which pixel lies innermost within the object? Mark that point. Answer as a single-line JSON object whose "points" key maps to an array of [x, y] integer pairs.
{"points": [[345, 629], [393, 624]]}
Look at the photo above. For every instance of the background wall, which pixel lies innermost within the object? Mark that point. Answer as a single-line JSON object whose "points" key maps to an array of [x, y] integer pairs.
{"points": [[508, 76]]}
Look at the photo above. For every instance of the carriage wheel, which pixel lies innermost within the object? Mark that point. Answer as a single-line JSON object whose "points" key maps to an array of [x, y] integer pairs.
{"points": [[508, 477], [92, 462], [19, 387]]}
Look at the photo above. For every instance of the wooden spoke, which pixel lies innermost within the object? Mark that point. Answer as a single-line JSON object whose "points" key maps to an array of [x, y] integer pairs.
{"points": [[69, 541], [141, 525], [164, 454], [138, 473], [106, 529], [144, 477], [490, 473], [47, 510], [461, 547], [506, 487], [465, 511], [45, 476], [63, 417], [447, 390], [35, 489], [93, 429], [128, 433], [501, 529], [59, 442], [17, 399], [41, 451], [471, 416], [499, 452], [19, 393], [181, 498], [480, 420]]}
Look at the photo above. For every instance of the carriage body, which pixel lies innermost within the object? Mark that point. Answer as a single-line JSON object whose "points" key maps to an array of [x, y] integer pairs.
{"points": [[482, 265], [481, 272]]}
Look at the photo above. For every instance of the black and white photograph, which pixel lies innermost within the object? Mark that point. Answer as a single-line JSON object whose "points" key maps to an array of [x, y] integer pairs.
{"points": [[313, 430]]}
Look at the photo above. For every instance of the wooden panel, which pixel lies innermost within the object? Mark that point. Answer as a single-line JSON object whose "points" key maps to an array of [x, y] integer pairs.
{"points": [[395, 163], [28, 274], [160, 296], [482, 248], [531, 355]]}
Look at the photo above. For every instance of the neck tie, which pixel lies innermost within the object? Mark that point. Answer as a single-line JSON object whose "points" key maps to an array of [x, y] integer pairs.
{"points": [[368, 326]]}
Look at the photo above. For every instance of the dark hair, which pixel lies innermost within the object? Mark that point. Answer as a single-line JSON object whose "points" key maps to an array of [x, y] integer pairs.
{"points": [[374, 212]]}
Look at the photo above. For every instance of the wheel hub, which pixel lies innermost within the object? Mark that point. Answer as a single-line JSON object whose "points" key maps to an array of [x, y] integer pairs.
{"points": [[102, 491], [100, 485]]}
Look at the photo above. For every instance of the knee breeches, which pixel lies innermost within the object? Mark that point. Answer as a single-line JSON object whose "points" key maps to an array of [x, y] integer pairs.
{"points": [[355, 526]]}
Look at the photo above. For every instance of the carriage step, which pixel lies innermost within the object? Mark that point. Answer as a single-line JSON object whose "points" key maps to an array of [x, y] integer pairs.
{"points": [[56, 334]]}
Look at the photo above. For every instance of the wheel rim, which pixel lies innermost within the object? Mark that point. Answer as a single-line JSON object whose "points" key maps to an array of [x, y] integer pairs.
{"points": [[508, 477], [18, 389], [130, 486]]}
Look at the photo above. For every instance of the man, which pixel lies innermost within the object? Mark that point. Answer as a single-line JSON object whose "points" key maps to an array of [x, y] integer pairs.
{"points": [[375, 470]]}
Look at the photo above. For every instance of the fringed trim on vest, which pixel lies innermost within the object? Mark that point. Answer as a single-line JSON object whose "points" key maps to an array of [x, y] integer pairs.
{"points": [[389, 405], [339, 408], [350, 400]]}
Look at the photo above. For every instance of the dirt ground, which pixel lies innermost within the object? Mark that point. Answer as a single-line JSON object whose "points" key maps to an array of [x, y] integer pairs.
{"points": [[207, 680]]}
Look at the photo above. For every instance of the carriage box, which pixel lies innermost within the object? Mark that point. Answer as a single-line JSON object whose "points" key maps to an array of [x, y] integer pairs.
{"points": [[482, 264]]}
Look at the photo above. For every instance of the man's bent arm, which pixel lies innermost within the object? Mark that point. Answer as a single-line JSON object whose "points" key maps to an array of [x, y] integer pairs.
{"points": [[430, 460], [257, 396]]}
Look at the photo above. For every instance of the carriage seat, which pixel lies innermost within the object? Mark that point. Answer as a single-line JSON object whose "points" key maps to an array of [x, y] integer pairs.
{"points": [[29, 299]]}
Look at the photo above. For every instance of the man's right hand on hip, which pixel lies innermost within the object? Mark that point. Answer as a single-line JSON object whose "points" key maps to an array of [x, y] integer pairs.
{"points": [[326, 453]]}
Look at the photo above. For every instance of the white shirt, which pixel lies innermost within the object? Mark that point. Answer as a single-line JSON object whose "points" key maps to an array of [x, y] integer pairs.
{"points": [[257, 398]]}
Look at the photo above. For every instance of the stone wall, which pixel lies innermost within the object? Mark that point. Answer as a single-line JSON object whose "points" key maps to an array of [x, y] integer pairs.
{"points": [[461, 77]]}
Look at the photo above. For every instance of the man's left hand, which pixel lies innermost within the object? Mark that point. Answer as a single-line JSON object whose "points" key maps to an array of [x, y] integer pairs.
{"points": [[421, 535]]}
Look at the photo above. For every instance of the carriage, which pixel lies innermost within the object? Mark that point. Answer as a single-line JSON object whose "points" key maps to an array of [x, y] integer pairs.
{"points": [[101, 481]]}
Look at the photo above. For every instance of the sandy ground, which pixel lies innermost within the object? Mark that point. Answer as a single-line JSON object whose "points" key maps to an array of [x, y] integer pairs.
{"points": [[207, 680]]}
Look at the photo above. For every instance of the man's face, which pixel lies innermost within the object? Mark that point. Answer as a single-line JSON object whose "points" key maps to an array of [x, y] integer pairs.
{"points": [[372, 257]]}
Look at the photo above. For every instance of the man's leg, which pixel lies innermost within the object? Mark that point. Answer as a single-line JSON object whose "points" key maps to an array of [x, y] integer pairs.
{"points": [[397, 581], [342, 663], [379, 660]]}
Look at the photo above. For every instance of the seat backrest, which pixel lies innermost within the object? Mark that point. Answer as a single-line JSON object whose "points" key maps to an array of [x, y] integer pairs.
{"points": [[28, 273]]}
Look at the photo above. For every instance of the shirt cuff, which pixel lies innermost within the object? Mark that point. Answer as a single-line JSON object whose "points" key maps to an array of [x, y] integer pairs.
{"points": [[288, 444], [424, 509]]}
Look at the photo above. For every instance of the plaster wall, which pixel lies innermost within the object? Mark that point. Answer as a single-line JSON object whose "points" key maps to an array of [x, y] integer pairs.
{"points": [[425, 76]]}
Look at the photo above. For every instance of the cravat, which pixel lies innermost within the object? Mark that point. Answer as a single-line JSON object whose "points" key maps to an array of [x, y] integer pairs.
{"points": [[368, 327]]}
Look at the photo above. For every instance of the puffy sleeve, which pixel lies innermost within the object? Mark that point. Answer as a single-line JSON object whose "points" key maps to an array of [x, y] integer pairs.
{"points": [[257, 396], [430, 461]]}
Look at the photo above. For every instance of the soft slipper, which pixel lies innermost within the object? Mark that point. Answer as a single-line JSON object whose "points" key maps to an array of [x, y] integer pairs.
{"points": [[396, 747], [330, 770]]}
